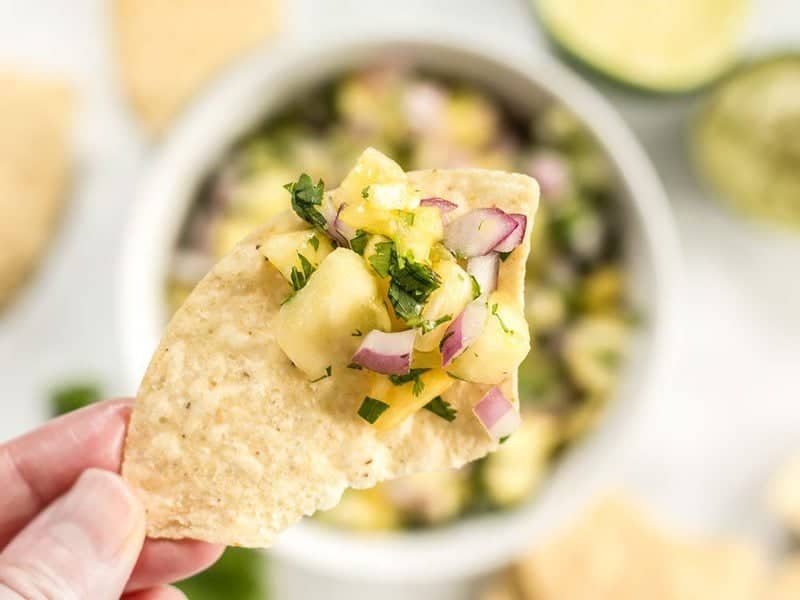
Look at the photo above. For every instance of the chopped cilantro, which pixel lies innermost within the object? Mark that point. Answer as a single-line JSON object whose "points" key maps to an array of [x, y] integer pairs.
{"points": [[476, 287], [300, 278], [410, 376], [383, 258], [442, 408], [306, 198], [328, 371], [359, 242], [314, 241], [404, 305], [418, 387], [408, 217], [357, 333], [371, 409], [504, 439], [500, 320], [416, 279], [73, 396], [428, 325], [365, 192], [504, 255], [456, 377], [354, 366]]}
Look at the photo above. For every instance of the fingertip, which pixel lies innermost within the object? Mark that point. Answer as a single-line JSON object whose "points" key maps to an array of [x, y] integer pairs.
{"points": [[163, 592]]}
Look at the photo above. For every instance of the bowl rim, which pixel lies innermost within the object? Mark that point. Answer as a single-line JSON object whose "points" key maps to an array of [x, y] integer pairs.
{"points": [[493, 539]]}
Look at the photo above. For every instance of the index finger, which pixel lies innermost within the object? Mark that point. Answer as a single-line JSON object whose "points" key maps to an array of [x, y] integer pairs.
{"points": [[39, 466]]}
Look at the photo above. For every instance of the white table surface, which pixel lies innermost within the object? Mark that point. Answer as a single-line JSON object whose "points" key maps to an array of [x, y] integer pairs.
{"points": [[702, 453]]}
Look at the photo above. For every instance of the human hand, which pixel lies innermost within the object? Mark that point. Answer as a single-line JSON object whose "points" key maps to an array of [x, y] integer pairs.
{"points": [[71, 528]]}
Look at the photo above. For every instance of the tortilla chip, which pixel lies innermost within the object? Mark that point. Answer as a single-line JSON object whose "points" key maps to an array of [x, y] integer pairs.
{"points": [[35, 120], [168, 49], [616, 552], [784, 495], [786, 585], [230, 443]]}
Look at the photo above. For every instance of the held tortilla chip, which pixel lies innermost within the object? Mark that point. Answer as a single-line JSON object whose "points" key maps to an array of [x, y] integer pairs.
{"points": [[230, 443], [35, 121], [168, 49]]}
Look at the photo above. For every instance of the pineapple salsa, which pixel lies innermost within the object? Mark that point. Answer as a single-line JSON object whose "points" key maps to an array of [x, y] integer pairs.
{"points": [[400, 287], [576, 301]]}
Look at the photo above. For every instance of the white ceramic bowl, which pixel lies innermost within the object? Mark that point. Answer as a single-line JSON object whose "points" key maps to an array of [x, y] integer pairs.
{"points": [[266, 83]]}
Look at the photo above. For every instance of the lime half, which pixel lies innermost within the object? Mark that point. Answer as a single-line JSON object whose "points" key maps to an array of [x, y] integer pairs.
{"points": [[665, 46], [746, 141]]}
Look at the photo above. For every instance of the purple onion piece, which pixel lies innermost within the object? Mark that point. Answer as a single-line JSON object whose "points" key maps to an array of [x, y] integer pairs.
{"points": [[478, 232], [515, 237], [387, 353], [484, 269], [497, 414], [341, 231], [463, 331]]}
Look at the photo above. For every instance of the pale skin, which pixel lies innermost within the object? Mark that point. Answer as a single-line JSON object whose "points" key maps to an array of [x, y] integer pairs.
{"points": [[71, 528]]}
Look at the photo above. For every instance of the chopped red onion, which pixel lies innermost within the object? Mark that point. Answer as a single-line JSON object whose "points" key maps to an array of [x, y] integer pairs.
{"points": [[514, 238], [463, 331], [484, 269], [387, 353], [342, 232], [479, 231], [497, 415], [444, 205], [424, 105]]}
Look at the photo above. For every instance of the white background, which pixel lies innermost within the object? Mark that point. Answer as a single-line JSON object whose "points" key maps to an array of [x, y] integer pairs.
{"points": [[702, 452]]}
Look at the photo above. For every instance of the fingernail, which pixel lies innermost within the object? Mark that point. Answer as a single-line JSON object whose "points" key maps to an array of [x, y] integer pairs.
{"points": [[84, 545]]}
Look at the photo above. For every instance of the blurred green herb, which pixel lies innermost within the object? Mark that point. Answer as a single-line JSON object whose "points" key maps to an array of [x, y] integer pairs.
{"points": [[238, 575]]}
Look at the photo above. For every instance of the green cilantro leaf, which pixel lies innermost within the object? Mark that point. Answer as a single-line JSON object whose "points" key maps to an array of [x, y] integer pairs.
{"points": [[371, 409], [356, 333], [355, 366], [404, 305], [365, 192], [500, 320], [442, 408], [504, 255], [306, 198], [314, 241], [410, 376], [383, 258], [359, 242], [416, 279], [300, 278], [504, 439], [408, 217]]}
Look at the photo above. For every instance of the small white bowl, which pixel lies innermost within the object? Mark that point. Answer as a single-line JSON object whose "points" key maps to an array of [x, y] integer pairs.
{"points": [[265, 84]]}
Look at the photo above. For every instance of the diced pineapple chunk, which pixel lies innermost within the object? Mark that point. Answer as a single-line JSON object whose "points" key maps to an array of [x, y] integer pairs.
{"points": [[426, 360], [499, 349], [392, 196], [413, 233], [449, 299], [594, 348], [283, 250], [363, 510], [262, 195], [315, 327], [372, 167], [402, 399]]}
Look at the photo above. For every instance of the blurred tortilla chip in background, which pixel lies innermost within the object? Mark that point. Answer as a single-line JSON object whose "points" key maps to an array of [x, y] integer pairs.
{"points": [[168, 49], [36, 115], [616, 551]]}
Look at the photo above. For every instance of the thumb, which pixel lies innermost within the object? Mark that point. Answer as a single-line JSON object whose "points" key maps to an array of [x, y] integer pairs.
{"points": [[84, 545]]}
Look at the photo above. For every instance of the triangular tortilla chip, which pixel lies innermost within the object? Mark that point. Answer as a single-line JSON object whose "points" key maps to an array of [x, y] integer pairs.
{"points": [[35, 121], [230, 443], [168, 49]]}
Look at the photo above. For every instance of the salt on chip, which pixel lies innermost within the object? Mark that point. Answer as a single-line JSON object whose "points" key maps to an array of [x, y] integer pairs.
{"points": [[617, 552], [230, 443], [168, 49], [36, 115]]}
